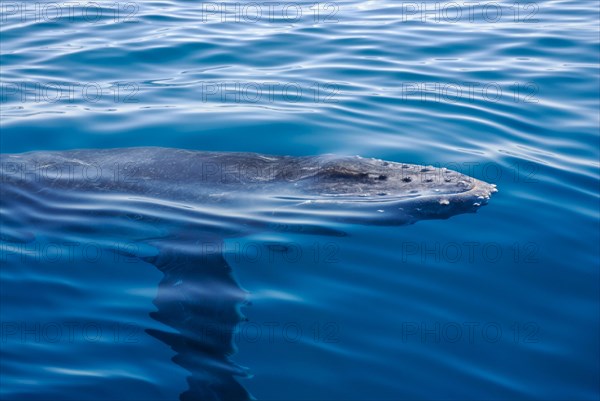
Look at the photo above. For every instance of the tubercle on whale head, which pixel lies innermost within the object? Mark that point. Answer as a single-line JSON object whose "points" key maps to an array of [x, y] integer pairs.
{"points": [[434, 207], [376, 192], [400, 211]]}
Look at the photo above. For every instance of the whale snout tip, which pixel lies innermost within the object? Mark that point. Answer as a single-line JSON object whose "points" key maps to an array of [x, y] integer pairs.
{"points": [[486, 190], [482, 192]]}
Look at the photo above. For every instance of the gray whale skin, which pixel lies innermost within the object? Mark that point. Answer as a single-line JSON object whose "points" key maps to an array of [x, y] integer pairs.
{"points": [[337, 188]]}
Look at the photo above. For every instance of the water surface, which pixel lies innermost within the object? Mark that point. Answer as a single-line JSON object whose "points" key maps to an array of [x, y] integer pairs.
{"points": [[498, 305]]}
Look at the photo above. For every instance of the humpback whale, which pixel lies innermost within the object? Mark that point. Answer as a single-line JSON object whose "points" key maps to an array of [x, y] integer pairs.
{"points": [[182, 204]]}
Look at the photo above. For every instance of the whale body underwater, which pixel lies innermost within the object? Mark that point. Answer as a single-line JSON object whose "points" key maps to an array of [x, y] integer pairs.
{"points": [[345, 189], [172, 201]]}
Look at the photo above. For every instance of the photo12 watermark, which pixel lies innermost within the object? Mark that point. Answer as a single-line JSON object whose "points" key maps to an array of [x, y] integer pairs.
{"points": [[69, 92], [86, 12], [269, 12], [470, 92], [68, 332], [268, 92], [452, 12], [287, 332], [468, 252], [469, 332]]}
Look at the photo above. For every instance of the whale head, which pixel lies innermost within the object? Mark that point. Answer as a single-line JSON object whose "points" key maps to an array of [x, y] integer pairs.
{"points": [[372, 191]]}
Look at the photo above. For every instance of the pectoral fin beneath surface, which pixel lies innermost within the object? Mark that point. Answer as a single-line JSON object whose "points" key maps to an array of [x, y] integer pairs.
{"points": [[199, 300]]}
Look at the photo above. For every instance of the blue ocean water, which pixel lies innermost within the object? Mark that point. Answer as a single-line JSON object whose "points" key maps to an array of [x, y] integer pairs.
{"points": [[502, 304]]}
